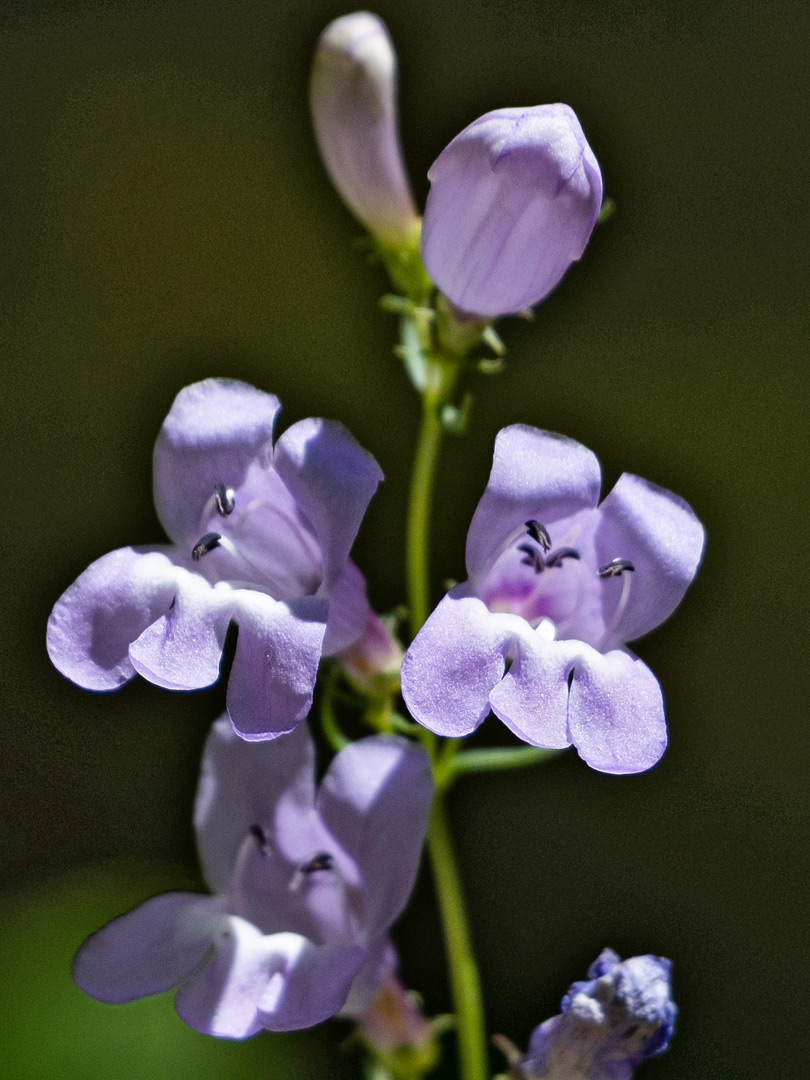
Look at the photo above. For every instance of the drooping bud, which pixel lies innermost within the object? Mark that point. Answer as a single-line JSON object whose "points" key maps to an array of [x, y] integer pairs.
{"points": [[354, 113], [512, 203]]}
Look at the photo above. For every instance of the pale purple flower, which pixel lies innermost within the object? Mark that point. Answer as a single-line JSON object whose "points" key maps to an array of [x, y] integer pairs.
{"points": [[354, 112], [306, 883], [261, 537], [609, 1024], [557, 585], [512, 203]]}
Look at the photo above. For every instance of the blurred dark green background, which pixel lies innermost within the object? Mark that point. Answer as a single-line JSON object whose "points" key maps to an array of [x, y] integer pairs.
{"points": [[165, 217]]}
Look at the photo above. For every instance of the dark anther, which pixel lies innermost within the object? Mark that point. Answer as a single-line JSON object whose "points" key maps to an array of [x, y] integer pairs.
{"points": [[532, 557], [630, 1031], [204, 545], [261, 838], [556, 557], [614, 568], [539, 534], [322, 861], [224, 500]]}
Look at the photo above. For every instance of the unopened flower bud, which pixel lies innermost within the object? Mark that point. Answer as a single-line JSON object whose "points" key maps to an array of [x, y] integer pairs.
{"points": [[372, 662], [354, 113], [393, 1021], [513, 200]]}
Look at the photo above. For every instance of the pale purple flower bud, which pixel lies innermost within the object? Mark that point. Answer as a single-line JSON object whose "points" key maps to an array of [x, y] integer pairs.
{"points": [[513, 200], [394, 1022], [306, 880], [354, 113], [372, 663], [558, 584], [621, 1015]]}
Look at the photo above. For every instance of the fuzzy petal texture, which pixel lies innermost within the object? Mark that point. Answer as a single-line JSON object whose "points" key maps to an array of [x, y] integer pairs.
{"points": [[147, 951], [375, 799], [532, 698], [535, 474], [616, 712], [276, 661], [214, 432], [332, 479], [512, 203], [182, 649], [253, 980], [622, 1014], [661, 536], [105, 609], [455, 660], [242, 785]]}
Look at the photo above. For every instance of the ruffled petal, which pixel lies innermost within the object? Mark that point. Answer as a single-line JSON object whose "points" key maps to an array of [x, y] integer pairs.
{"points": [[242, 785], [455, 660], [104, 610], [532, 698], [277, 652], [535, 474], [278, 981], [348, 611], [313, 986], [222, 998], [214, 431], [375, 799], [661, 536], [616, 712], [182, 649], [147, 951], [332, 478]]}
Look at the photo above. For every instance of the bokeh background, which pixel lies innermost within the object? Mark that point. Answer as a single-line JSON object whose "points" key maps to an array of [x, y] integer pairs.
{"points": [[165, 217]]}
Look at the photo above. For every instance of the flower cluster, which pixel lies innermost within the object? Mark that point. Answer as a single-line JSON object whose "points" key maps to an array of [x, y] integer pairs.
{"points": [[307, 879], [513, 198]]}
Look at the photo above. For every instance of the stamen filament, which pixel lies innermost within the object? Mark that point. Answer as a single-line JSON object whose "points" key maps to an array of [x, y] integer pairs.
{"points": [[621, 607]]}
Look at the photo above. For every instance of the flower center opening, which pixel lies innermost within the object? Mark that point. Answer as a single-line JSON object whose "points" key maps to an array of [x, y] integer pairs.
{"points": [[309, 896], [260, 538], [549, 577]]}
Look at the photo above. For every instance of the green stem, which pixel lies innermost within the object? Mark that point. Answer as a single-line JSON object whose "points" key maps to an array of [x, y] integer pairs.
{"points": [[467, 1000], [469, 1006], [478, 761], [331, 729], [418, 539]]}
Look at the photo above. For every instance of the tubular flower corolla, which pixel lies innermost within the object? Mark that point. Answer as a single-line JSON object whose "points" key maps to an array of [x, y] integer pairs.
{"points": [[558, 584], [306, 884], [261, 537]]}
